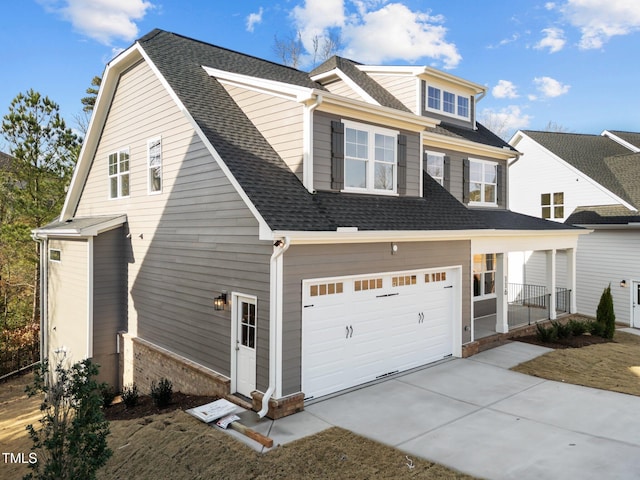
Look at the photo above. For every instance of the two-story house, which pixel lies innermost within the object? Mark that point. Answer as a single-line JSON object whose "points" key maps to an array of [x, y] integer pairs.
{"points": [[592, 181], [251, 230]]}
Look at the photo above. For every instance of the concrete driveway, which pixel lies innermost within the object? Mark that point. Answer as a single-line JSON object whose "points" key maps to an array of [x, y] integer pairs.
{"points": [[476, 416]]}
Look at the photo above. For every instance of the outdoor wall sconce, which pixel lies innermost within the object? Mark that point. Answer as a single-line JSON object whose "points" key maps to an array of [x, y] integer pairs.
{"points": [[623, 283], [220, 301], [394, 248]]}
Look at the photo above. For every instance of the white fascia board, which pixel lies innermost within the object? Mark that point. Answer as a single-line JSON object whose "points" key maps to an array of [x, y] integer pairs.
{"points": [[391, 69], [428, 72], [581, 174], [473, 148], [617, 139], [376, 236], [92, 231], [271, 87], [336, 72], [100, 111]]}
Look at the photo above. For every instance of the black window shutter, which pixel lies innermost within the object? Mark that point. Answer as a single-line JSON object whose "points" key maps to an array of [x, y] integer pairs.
{"points": [[465, 180], [499, 184], [423, 97], [447, 173], [402, 164], [337, 155]]}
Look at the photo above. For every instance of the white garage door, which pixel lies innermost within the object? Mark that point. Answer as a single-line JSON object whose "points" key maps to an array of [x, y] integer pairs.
{"points": [[359, 328]]}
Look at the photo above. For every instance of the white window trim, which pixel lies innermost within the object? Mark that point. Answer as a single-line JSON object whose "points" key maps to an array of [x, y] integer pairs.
{"points": [[441, 110], [552, 206], [55, 250], [435, 154], [484, 296], [483, 203], [149, 190], [118, 174], [372, 130]]}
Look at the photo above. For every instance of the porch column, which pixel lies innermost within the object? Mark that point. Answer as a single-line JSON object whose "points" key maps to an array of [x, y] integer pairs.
{"points": [[551, 282], [571, 278], [502, 304]]}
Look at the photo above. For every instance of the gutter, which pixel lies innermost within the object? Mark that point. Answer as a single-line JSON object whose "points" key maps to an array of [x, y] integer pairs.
{"points": [[44, 338], [275, 317]]}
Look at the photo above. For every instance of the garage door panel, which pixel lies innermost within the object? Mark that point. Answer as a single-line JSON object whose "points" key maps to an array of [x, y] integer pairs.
{"points": [[378, 324]]}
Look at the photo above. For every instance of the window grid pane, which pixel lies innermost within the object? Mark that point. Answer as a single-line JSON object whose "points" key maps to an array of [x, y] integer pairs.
{"points": [[434, 98], [449, 103]]}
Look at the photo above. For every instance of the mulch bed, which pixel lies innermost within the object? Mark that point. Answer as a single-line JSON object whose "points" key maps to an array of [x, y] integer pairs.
{"points": [[145, 407], [569, 342]]}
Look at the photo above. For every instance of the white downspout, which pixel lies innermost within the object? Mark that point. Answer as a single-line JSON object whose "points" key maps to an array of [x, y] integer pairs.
{"points": [[275, 318], [307, 147], [44, 295]]}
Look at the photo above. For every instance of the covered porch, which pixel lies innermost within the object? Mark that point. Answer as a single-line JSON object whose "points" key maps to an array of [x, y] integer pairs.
{"points": [[519, 281]]}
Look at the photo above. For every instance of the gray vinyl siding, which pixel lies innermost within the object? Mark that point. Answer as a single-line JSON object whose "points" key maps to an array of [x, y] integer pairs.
{"points": [[606, 257], [403, 87], [189, 242], [322, 153], [456, 185], [278, 120], [67, 306], [317, 261], [109, 301]]}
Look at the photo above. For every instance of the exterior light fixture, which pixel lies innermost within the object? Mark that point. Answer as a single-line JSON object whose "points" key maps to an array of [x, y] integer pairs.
{"points": [[394, 248], [220, 301], [623, 283]]}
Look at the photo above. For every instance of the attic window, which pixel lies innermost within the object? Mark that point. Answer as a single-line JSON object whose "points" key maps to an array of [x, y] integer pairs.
{"points": [[54, 255], [447, 102], [552, 202]]}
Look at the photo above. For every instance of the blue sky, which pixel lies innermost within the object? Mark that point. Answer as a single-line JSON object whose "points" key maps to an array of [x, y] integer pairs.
{"points": [[571, 62]]}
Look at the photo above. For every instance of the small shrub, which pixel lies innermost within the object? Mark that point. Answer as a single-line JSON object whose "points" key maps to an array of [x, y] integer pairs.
{"points": [[596, 328], [562, 330], [130, 395], [546, 334], [108, 393], [605, 314], [161, 392], [577, 328]]}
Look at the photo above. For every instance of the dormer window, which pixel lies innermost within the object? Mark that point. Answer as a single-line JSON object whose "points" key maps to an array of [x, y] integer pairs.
{"points": [[447, 102], [370, 158]]}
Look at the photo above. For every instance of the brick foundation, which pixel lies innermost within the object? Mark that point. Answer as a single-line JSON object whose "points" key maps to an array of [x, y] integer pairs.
{"points": [[281, 407], [143, 362]]}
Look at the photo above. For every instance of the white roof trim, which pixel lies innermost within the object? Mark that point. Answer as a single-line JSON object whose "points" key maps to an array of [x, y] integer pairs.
{"points": [[617, 139], [90, 231], [371, 236], [349, 81], [470, 147]]}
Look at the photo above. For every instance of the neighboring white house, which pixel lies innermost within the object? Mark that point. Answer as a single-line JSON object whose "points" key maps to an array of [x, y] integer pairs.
{"points": [[592, 181]]}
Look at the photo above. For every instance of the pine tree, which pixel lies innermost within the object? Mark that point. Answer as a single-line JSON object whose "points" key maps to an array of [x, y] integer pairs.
{"points": [[605, 314]]}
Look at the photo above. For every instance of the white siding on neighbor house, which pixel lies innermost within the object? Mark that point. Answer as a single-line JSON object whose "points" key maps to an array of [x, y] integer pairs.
{"points": [[403, 87], [606, 257], [68, 281], [189, 242], [538, 171], [280, 121], [535, 267]]}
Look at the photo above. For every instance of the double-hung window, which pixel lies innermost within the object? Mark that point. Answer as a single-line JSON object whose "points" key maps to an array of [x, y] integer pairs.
{"points": [[370, 160], [483, 182], [119, 174], [154, 165], [435, 166], [484, 274]]}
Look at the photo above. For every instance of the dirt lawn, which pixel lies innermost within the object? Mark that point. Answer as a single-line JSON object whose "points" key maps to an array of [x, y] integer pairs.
{"points": [[174, 445], [611, 366], [17, 411]]}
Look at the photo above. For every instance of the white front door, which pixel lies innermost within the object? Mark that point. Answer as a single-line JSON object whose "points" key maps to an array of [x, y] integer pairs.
{"points": [[246, 335], [635, 313]]}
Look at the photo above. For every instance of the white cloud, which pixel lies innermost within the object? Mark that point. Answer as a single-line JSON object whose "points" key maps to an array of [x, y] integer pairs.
{"points": [[599, 20], [505, 121], [504, 89], [102, 20], [253, 19], [553, 40], [377, 31], [550, 87]]}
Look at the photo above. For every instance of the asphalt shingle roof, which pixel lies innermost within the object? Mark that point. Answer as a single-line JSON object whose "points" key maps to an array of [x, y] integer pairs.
{"points": [[276, 192], [604, 215], [364, 81], [630, 137], [480, 135]]}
